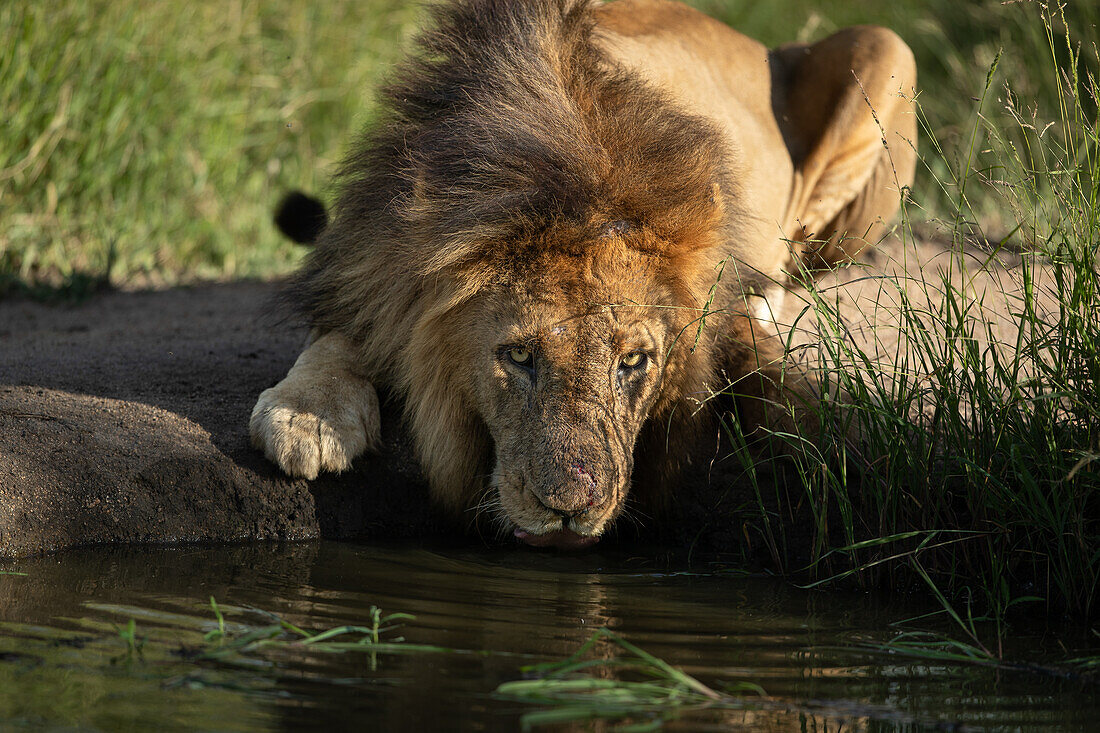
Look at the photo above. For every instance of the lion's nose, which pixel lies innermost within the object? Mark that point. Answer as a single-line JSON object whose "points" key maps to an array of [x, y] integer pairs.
{"points": [[578, 493]]}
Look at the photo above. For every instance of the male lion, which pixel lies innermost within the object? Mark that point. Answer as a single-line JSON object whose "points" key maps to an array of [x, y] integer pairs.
{"points": [[563, 235]]}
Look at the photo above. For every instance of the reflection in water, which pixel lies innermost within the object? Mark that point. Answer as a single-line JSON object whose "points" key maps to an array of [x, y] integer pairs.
{"points": [[62, 662]]}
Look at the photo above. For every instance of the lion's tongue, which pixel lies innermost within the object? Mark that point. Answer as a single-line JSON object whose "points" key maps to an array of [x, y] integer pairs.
{"points": [[563, 539]]}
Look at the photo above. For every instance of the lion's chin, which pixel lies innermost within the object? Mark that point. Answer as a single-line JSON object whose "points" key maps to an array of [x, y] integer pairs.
{"points": [[562, 539]]}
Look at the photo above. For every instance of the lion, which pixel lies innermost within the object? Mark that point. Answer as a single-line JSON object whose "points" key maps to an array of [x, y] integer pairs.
{"points": [[569, 227]]}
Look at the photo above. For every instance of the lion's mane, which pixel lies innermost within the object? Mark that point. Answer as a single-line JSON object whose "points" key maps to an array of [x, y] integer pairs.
{"points": [[509, 132]]}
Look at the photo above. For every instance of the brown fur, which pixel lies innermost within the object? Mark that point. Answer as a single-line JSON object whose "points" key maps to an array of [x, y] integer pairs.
{"points": [[532, 187]]}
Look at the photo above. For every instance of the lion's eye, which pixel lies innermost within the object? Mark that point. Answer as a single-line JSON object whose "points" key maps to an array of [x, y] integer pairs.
{"points": [[520, 357], [633, 360]]}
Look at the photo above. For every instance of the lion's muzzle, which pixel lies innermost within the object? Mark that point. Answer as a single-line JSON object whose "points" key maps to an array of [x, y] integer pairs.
{"points": [[577, 493], [566, 496]]}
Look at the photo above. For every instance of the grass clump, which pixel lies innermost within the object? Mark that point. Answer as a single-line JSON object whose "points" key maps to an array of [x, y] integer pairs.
{"points": [[965, 455], [147, 143]]}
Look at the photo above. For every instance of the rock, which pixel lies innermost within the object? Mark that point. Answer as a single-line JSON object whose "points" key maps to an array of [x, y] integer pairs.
{"points": [[124, 419]]}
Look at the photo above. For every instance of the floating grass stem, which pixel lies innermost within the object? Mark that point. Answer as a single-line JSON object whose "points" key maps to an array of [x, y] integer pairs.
{"points": [[231, 642], [571, 691]]}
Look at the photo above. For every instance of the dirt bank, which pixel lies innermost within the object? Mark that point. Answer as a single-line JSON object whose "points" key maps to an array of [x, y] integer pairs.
{"points": [[125, 419]]}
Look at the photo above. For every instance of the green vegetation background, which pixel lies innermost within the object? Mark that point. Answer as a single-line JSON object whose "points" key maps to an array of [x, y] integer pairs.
{"points": [[148, 141]]}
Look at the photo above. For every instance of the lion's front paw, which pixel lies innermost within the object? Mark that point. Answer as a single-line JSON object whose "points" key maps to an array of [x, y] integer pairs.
{"points": [[306, 429]]}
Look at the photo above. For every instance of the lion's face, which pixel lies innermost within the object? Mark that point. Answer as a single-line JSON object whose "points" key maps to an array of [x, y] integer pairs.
{"points": [[574, 361]]}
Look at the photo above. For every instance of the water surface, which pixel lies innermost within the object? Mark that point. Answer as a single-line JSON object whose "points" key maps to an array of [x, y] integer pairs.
{"points": [[64, 666]]}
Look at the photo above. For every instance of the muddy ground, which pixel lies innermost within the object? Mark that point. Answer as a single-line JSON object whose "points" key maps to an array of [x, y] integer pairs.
{"points": [[124, 419]]}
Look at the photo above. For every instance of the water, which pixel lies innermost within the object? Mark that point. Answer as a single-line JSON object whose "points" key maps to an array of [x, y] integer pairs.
{"points": [[64, 666]]}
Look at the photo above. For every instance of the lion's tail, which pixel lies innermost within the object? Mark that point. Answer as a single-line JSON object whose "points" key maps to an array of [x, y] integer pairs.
{"points": [[301, 217]]}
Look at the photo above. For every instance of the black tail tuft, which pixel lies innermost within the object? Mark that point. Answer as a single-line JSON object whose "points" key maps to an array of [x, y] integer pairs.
{"points": [[301, 217]]}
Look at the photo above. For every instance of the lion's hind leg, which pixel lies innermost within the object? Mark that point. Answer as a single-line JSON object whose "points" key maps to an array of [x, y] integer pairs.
{"points": [[320, 416], [846, 111]]}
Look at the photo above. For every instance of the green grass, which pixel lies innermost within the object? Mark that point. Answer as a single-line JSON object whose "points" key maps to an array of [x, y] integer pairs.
{"points": [[146, 143], [134, 644], [966, 460]]}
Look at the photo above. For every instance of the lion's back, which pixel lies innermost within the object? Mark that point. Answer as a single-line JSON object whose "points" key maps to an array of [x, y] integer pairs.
{"points": [[715, 72]]}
